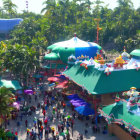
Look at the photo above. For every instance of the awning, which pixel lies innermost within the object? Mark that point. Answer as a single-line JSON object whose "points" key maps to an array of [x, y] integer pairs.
{"points": [[135, 52], [58, 78], [73, 96], [10, 84], [76, 101], [80, 103], [85, 110]]}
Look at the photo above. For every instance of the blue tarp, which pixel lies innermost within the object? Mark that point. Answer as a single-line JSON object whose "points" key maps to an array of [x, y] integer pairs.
{"points": [[7, 25], [76, 101], [85, 110], [73, 96]]}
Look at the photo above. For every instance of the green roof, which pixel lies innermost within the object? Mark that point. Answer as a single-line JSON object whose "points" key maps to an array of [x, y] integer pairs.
{"points": [[10, 84], [55, 66], [65, 53], [51, 47], [99, 47], [135, 52], [97, 82], [122, 115], [51, 56]]}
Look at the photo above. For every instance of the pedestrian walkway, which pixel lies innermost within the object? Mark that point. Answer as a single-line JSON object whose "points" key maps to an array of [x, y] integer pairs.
{"points": [[55, 119]]}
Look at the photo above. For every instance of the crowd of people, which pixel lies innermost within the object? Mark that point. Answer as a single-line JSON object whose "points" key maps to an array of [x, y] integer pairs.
{"points": [[56, 121]]}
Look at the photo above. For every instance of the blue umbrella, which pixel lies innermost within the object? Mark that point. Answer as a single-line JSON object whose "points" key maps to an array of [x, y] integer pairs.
{"points": [[85, 110], [76, 100], [62, 77], [76, 104], [73, 96]]}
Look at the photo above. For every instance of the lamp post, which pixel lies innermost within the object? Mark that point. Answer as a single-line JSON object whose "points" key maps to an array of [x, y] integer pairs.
{"points": [[98, 28]]}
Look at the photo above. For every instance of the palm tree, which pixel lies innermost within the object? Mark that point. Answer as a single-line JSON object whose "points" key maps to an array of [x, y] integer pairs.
{"points": [[49, 6], [6, 99], [10, 7]]}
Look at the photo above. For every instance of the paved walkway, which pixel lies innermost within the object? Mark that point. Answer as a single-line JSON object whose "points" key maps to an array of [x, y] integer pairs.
{"points": [[79, 126]]}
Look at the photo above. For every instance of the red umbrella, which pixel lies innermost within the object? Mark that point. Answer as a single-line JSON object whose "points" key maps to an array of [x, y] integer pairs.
{"points": [[62, 84], [54, 79], [57, 75]]}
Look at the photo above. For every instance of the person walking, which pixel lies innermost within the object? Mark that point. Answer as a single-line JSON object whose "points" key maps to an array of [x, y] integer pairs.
{"points": [[44, 113]]}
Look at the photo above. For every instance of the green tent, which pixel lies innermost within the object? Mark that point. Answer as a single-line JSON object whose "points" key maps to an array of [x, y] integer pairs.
{"points": [[10, 84], [51, 47], [51, 56], [135, 52], [121, 115], [75, 47], [97, 82]]}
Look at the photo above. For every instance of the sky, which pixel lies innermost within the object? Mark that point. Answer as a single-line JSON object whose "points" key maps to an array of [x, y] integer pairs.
{"points": [[36, 5]]}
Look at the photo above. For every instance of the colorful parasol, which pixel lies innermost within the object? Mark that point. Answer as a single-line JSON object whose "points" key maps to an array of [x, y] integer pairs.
{"points": [[62, 84], [54, 79], [16, 105], [53, 128], [68, 117], [28, 91]]}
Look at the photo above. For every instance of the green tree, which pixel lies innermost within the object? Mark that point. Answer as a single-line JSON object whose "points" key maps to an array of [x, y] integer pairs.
{"points": [[6, 99], [50, 6], [3, 134], [10, 7], [21, 61]]}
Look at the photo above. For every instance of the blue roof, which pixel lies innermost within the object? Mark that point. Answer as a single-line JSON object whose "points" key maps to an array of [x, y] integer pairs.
{"points": [[7, 25]]}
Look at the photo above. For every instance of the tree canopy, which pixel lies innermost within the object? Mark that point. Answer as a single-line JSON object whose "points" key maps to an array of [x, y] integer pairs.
{"points": [[62, 18]]}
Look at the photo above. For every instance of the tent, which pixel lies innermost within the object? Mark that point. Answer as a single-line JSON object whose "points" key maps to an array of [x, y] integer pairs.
{"points": [[85, 110], [74, 46], [135, 53], [78, 103], [10, 84], [73, 96], [52, 56]]}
